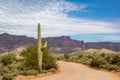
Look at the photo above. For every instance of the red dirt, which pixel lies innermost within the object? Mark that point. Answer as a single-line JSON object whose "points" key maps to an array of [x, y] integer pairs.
{"points": [[75, 71]]}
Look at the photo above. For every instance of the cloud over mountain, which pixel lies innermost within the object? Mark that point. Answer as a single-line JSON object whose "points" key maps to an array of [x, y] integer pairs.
{"points": [[22, 16]]}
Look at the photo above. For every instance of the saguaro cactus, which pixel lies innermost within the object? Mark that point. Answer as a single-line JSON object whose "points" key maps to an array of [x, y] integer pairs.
{"points": [[40, 54]]}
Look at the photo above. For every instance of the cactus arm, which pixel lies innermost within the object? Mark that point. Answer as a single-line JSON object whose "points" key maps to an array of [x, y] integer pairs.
{"points": [[45, 44]]}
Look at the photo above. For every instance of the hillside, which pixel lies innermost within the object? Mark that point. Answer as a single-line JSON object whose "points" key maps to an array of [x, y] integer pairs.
{"points": [[63, 44], [10, 42], [115, 46]]}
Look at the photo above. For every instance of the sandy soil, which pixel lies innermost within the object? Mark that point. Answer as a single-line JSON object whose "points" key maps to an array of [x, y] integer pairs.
{"points": [[75, 71]]}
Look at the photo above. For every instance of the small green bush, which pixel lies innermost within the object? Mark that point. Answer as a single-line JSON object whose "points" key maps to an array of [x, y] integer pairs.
{"points": [[80, 56], [102, 55], [29, 72], [108, 58], [110, 67], [104, 61], [32, 72], [8, 58], [66, 56], [8, 77], [30, 57], [17, 65], [113, 67], [49, 62], [31, 62], [116, 60], [44, 71], [4, 70], [96, 62]]}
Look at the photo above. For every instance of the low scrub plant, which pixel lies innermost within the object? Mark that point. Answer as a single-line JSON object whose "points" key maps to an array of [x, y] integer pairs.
{"points": [[96, 62], [104, 61], [8, 58], [8, 76], [31, 72], [31, 62]]}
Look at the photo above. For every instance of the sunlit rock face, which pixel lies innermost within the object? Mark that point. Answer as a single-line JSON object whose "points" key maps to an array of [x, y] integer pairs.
{"points": [[63, 44]]}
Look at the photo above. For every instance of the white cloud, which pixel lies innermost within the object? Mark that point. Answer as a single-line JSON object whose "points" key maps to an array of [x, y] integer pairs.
{"points": [[22, 16], [63, 6]]}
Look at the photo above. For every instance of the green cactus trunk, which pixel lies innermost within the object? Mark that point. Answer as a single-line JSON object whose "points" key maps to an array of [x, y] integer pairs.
{"points": [[40, 54]]}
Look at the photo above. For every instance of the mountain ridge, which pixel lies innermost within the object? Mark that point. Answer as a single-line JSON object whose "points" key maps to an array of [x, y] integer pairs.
{"points": [[63, 44]]}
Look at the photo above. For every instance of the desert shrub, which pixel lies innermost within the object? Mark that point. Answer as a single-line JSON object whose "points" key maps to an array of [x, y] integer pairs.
{"points": [[4, 70], [113, 67], [49, 62], [110, 67], [8, 77], [104, 61], [12, 68], [17, 65], [1, 72], [30, 57], [80, 56], [31, 61], [31, 72], [116, 60], [66, 56], [8, 70], [108, 58], [102, 55], [8, 58], [44, 71], [105, 66], [89, 56], [86, 61], [96, 62]]}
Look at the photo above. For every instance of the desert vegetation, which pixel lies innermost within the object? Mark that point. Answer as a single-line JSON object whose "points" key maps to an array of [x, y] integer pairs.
{"points": [[31, 61], [107, 61]]}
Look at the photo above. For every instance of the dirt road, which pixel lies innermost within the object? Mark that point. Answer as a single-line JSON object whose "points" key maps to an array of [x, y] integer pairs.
{"points": [[74, 71]]}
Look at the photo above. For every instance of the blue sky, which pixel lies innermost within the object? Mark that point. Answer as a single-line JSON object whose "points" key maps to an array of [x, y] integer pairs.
{"points": [[88, 20], [100, 9]]}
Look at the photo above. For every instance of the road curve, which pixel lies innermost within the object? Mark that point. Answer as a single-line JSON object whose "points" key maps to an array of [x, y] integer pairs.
{"points": [[75, 71]]}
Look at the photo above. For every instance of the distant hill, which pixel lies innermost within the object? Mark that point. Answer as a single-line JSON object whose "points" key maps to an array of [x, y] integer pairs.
{"points": [[94, 51], [115, 46], [63, 44], [100, 51], [10, 42]]}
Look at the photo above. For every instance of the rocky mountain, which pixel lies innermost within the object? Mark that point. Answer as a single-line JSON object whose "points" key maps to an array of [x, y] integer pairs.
{"points": [[115, 46], [63, 44], [10, 42]]}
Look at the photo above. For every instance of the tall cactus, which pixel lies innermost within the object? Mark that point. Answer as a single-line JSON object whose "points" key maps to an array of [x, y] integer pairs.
{"points": [[40, 54]]}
